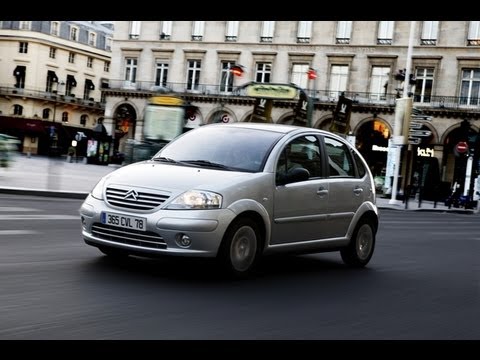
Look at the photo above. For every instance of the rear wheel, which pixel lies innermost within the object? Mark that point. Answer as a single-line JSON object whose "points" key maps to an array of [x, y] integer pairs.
{"points": [[360, 249], [240, 247]]}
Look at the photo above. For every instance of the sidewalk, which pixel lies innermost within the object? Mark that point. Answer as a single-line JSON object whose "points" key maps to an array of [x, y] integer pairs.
{"points": [[44, 176], [41, 175]]}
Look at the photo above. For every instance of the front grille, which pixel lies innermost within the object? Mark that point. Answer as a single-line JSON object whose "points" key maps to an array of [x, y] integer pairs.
{"points": [[145, 239], [142, 201]]}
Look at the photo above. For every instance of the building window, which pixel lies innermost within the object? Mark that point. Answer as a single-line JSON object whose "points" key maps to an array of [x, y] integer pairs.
{"points": [[197, 30], [429, 33], [161, 74], [379, 82], [17, 110], [73, 33], [92, 39], [344, 32], [89, 86], [65, 117], [23, 47], [469, 91], [338, 80], [423, 85], [130, 71], [70, 84], [108, 43], [385, 32], [226, 77], [71, 57], [166, 30], [55, 28], [263, 71], [53, 53], [25, 25], [51, 80], [299, 75], [135, 27], [304, 32], [19, 74], [231, 30], [474, 34], [106, 66], [83, 119], [45, 113], [268, 29], [193, 74], [89, 62]]}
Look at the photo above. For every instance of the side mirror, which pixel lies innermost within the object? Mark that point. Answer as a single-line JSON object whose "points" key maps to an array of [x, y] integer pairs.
{"points": [[295, 175]]}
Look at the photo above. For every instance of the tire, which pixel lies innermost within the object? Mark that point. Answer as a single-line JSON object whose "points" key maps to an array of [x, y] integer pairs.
{"points": [[362, 244], [239, 251], [113, 253]]}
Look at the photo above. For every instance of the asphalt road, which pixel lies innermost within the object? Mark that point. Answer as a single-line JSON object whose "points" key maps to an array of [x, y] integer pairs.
{"points": [[422, 284]]}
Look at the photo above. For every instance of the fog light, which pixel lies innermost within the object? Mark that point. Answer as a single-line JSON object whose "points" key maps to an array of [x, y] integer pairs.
{"points": [[183, 240]]}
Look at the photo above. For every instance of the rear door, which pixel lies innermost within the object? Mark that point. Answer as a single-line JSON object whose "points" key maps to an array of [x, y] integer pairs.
{"points": [[347, 188]]}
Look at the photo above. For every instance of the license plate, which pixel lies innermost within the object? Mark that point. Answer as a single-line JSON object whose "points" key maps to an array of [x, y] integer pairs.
{"points": [[124, 221]]}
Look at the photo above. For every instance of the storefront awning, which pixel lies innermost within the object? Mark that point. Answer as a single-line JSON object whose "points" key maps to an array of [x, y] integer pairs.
{"points": [[89, 84], [71, 80], [19, 71], [51, 75], [29, 126]]}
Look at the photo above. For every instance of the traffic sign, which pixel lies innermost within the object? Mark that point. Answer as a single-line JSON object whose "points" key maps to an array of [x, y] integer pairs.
{"points": [[416, 125], [419, 133]]}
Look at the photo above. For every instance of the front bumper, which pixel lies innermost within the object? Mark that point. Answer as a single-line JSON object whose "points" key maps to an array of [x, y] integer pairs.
{"points": [[204, 228]]}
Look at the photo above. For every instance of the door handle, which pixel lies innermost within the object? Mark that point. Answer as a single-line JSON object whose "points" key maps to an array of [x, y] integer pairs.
{"points": [[322, 191], [357, 190]]}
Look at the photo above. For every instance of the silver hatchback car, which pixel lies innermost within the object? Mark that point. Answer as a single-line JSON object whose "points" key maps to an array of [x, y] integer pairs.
{"points": [[236, 192]]}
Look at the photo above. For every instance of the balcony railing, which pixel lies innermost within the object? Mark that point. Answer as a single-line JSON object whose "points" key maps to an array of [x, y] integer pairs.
{"points": [[321, 96], [49, 96]]}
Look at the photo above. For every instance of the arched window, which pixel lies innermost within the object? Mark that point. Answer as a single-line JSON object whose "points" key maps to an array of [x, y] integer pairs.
{"points": [[17, 109], [65, 116], [83, 119], [45, 113]]}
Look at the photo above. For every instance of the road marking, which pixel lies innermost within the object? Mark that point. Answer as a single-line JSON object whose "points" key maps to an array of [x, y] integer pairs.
{"points": [[13, 209], [39, 217], [17, 232]]}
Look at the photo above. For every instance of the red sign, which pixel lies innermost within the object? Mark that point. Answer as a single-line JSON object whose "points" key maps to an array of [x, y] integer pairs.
{"points": [[462, 147], [312, 74]]}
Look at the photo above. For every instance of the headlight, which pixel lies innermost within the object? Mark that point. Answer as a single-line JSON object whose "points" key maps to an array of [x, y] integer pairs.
{"points": [[97, 191], [196, 199]]}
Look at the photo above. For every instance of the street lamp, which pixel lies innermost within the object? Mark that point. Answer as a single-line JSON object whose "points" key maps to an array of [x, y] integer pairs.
{"points": [[401, 109]]}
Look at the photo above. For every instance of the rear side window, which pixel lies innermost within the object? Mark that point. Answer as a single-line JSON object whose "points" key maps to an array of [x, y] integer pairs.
{"points": [[340, 161], [360, 167]]}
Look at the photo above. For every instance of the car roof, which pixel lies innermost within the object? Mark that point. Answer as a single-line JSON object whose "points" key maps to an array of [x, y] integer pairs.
{"points": [[280, 128]]}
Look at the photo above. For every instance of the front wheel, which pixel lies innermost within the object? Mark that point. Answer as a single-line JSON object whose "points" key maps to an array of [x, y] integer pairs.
{"points": [[360, 249], [239, 250]]}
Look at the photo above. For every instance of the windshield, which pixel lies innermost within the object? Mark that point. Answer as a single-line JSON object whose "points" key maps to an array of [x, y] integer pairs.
{"points": [[228, 147]]}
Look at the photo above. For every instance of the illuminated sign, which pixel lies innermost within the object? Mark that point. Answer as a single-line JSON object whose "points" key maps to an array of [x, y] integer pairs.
{"points": [[271, 91], [166, 100]]}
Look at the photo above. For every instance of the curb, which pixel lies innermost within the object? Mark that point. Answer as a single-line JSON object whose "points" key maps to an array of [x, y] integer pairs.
{"points": [[46, 193]]}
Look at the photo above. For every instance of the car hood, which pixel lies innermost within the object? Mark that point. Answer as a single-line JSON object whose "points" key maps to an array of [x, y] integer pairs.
{"points": [[174, 178]]}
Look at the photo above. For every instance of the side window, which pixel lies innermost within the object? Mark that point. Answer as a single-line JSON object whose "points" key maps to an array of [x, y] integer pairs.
{"points": [[360, 167], [301, 152], [340, 162]]}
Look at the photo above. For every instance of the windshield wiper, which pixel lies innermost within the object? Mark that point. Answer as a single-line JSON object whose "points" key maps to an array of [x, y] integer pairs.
{"points": [[206, 163], [164, 159]]}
